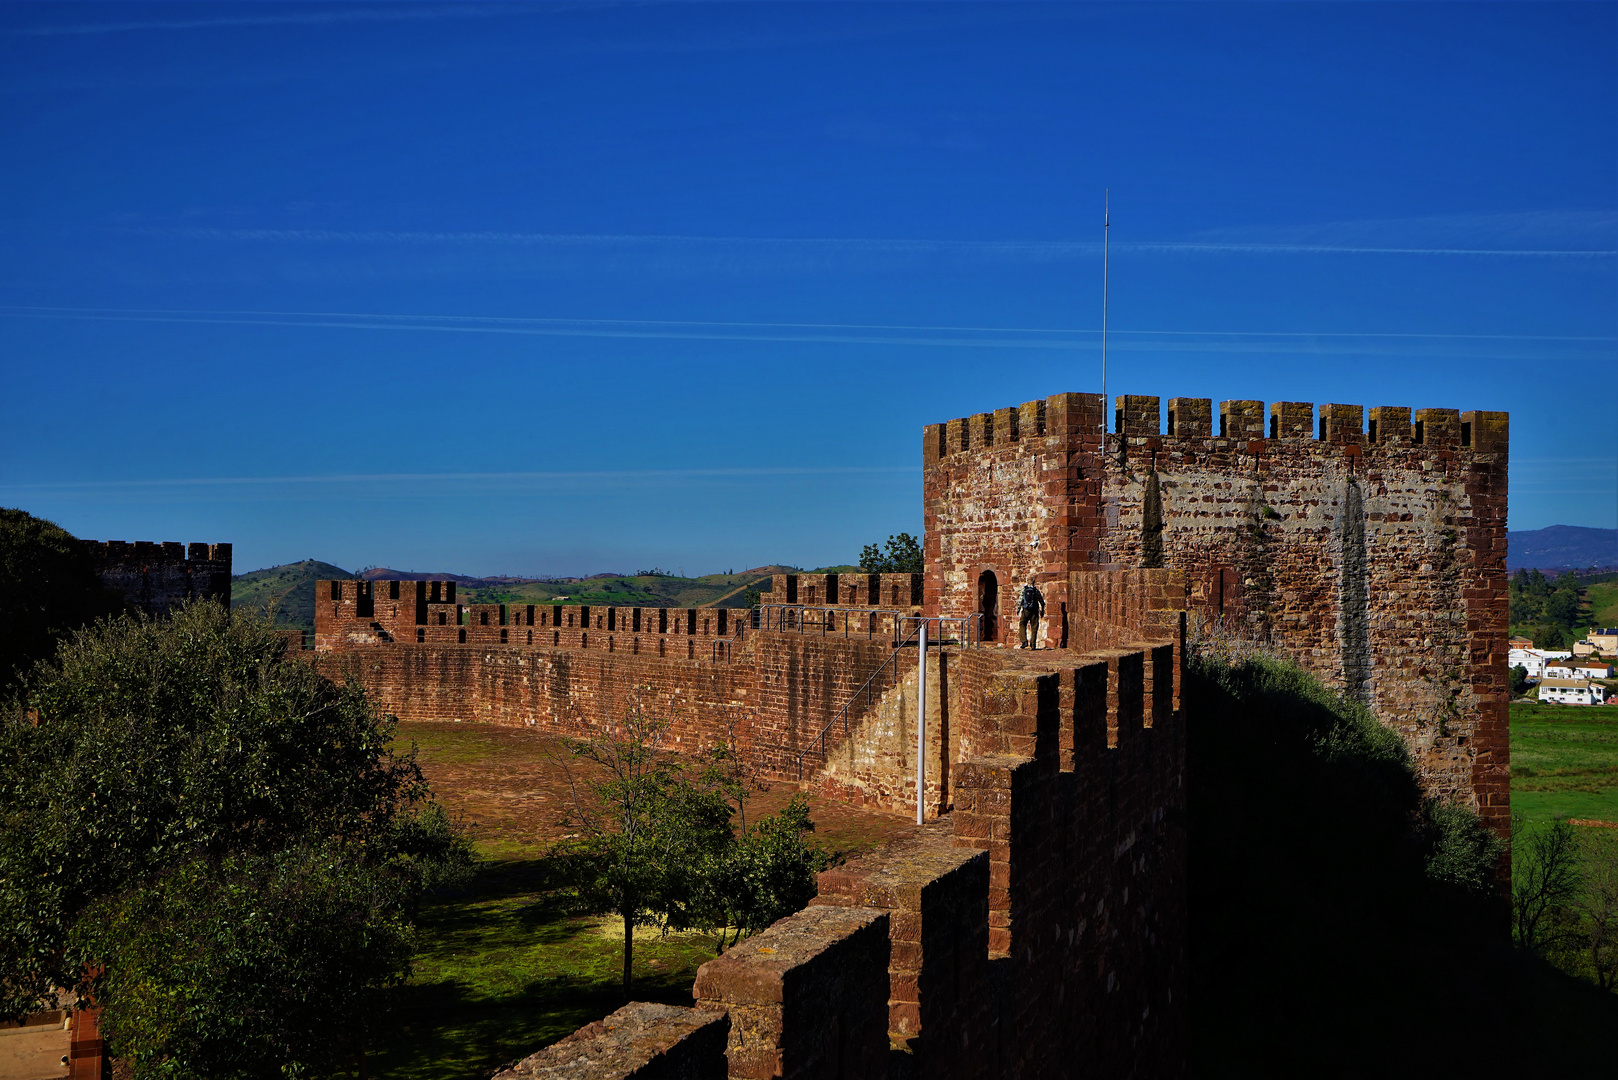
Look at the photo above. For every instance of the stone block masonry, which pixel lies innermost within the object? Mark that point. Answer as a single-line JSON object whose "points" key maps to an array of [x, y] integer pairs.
{"points": [[936, 894], [807, 998], [641, 1041], [769, 695], [1372, 555], [157, 578], [1036, 926]]}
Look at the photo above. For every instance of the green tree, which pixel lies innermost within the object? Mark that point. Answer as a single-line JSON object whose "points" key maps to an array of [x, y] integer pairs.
{"points": [[1519, 680], [1462, 853], [242, 968], [901, 555], [167, 776], [1562, 606], [766, 875], [48, 589], [645, 827]]}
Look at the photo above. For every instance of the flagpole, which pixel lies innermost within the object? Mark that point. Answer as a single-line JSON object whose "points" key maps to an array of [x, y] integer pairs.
{"points": [[1106, 237]]}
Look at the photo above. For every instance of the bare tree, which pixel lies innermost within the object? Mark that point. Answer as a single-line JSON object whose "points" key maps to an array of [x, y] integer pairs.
{"points": [[1546, 881], [1598, 905]]}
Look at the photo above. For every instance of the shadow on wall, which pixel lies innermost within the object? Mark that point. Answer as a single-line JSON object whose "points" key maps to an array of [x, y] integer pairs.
{"points": [[1333, 932]]}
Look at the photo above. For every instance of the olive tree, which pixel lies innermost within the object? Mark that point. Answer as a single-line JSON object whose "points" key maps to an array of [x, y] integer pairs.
{"points": [[190, 820], [644, 826], [657, 846]]}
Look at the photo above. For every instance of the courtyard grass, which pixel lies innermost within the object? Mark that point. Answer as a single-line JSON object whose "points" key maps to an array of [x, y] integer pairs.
{"points": [[503, 968], [1564, 762]]}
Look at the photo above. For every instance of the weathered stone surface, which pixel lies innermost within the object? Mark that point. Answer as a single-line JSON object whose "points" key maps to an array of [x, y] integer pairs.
{"points": [[807, 998], [1039, 927], [641, 1041], [936, 894], [1376, 559], [157, 578]]}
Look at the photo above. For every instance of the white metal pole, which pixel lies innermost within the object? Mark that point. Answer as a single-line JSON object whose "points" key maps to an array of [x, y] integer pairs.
{"points": [[1106, 238], [921, 725]]}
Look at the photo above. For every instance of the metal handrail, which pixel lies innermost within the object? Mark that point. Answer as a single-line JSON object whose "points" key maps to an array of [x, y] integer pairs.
{"points": [[966, 624], [801, 618], [842, 714]]}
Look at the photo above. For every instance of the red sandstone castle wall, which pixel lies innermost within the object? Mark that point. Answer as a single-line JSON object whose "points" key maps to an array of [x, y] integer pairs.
{"points": [[1011, 493], [891, 592], [351, 613], [1374, 558], [1039, 930], [770, 696], [157, 578]]}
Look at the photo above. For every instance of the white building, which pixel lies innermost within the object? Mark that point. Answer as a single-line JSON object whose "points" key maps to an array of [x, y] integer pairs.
{"points": [[1558, 671], [1592, 671], [1535, 661], [1572, 692]]}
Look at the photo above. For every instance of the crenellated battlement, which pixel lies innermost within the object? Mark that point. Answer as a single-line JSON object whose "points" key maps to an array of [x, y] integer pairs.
{"points": [[1240, 422], [354, 612], [147, 551], [892, 591], [158, 577], [1368, 545]]}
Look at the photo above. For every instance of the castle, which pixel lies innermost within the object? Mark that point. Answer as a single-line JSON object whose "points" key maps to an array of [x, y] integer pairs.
{"points": [[1036, 925], [156, 578]]}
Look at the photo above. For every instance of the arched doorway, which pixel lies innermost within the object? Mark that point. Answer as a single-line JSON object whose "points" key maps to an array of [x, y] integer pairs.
{"points": [[989, 605]]}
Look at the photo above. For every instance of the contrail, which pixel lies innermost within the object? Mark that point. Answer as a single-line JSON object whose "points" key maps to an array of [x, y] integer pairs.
{"points": [[1045, 248], [395, 13], [499, 323], [369, 478]]}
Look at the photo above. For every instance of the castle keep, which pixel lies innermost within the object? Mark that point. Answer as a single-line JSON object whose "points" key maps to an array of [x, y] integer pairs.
{"points": [[1035, 926], [1372, 555]]}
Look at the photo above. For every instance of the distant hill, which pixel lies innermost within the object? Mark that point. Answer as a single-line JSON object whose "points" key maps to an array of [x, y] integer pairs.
{"points": [[628, 590], [1562, 547], [383, 573], [286, 593]]}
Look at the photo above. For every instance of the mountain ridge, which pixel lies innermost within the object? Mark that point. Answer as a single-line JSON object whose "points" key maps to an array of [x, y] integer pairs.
{"points": [[1561, 548]]}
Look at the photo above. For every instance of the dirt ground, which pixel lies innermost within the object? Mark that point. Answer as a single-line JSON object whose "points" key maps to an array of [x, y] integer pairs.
{"points": [[509, 788]]}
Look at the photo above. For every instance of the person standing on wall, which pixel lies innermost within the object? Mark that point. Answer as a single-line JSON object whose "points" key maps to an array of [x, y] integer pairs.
{"points": [[1030, 606]]}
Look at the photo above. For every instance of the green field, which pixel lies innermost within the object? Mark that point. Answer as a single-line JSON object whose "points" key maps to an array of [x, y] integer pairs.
{"points": [[1601, 603], [1564, 761]]}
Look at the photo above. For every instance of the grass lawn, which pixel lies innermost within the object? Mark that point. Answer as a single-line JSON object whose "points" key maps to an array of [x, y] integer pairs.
{"points": [[501, 970], [1564, 761], [501, 973]]}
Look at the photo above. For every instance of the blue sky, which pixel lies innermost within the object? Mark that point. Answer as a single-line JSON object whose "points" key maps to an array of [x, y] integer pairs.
{"points": [[565, 288]]}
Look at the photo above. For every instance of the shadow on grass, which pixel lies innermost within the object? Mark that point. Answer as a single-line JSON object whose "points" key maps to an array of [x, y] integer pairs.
{"points": [[444, 1029], [504, 968], [1321, 944]]}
